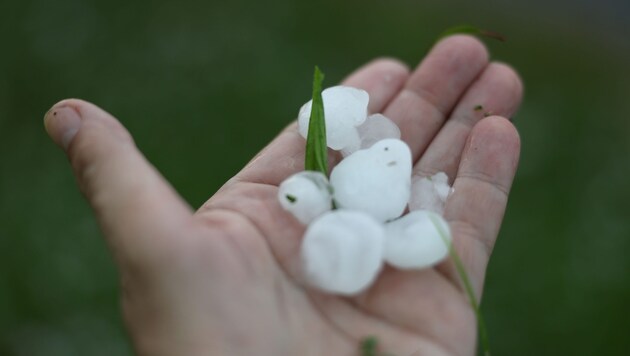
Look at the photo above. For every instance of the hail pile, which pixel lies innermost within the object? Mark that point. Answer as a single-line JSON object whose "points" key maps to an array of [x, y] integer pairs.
{"points": [[344, 249]]}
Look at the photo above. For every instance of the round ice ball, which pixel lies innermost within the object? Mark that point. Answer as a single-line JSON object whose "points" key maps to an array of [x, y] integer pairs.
{"points": [[375, 128], [342, 251], [375, 180], [345, 108], [306, 195], [415, 241], [430, 193]]}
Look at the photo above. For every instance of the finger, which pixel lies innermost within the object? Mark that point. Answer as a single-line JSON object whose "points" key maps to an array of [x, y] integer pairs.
{"points": [[381, 78], [484, 178], [136, 208], [474, 212], [434, 88], [497, 91]]}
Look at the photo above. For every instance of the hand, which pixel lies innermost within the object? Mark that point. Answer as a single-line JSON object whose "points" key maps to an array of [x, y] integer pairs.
{"points": [[222, 281]]}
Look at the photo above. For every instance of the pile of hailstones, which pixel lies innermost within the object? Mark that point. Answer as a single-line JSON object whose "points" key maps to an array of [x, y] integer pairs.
{"points": [[344, 249]]}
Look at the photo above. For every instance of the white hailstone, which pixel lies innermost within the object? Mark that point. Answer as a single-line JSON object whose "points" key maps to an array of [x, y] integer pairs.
{"points": [[345, 108], [375, 128], [376, 180], [342, 251], [306, 195], [430, 193], [414, 241]]}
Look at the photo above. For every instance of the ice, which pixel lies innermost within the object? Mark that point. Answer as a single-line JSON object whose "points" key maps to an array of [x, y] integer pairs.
{"points": [[430, 193], [345, 108], [306, 195], [414, 242], [375, 180], [342, 251], [375, 128]]}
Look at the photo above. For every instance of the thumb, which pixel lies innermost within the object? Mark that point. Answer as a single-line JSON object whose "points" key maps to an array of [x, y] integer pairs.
{"points": [[136, 208]]}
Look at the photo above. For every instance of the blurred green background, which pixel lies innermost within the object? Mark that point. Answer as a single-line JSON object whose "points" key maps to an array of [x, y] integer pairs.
{"points": [[203, 86]]}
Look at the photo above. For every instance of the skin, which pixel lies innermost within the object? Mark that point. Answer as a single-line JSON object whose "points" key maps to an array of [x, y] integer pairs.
{"points": [[222, 280]]}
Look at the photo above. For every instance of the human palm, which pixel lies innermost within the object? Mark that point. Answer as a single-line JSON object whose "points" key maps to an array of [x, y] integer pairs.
{"points": [[225, 280]]}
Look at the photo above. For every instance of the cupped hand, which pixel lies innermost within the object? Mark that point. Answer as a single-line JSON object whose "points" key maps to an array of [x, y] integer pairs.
{"points": [[222, 280]]}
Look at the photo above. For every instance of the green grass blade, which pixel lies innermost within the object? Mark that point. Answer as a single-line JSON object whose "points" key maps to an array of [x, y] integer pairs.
{"points": [[316, 158], [459, 266], [472, 30], [368, 346]]}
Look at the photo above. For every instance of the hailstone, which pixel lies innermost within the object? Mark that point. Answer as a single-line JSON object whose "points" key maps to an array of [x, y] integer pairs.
{"points": [[376, 180], [345, 108], [342, 251], [375, 128], [415, 242], [306, 195], [430, 193]]}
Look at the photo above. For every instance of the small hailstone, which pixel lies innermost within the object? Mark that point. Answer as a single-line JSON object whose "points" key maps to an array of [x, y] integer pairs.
{"points": [[414, 241], [342, 251], [430, 193], [375, 180], [375, 128], [345, 108], [306, 195]]}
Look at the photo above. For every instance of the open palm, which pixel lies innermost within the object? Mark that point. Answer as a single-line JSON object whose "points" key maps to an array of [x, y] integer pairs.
{"points": [[223, 280]]}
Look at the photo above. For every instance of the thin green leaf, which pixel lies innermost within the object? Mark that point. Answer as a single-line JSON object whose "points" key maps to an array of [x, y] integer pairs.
{"points": [[368, 346], [459, 266], [472, 30], [316, 149]]}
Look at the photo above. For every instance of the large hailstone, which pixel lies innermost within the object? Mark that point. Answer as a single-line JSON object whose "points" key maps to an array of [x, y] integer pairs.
{"points": [[342, 251], [345, 108], [375, 128], [415, 242], [375, 180], [430, 193], [306, 195]]}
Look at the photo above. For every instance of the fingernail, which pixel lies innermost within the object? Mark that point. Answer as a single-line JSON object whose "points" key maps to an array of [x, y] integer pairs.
{"points": [[62, 124]]}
